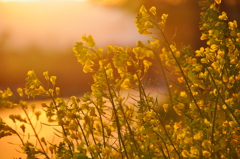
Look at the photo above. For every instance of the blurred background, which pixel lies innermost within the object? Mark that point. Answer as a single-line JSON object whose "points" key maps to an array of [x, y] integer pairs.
{"points": [[39, 34]]}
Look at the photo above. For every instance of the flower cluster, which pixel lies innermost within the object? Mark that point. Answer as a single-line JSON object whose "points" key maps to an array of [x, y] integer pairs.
{"points": [[199, 119]]}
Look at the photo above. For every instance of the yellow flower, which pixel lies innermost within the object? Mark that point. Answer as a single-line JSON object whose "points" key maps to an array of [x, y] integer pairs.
{"points": [[154, 44], [164, 17], [203, 36], [194, 152], [89, 40], [185, 153], [165, 107], [218, 1], [183, 94], [232, 25], [200, 103], [143, 9], [109, 73], [153, 10], [163, 22], [180, 106], [207, 123], [88, 66], [211, 32], [45, 74], [168, 128], [214, 47], [177, 125], [57, 89], [206, 153], [206, 144], [232, 124], [180, 79], [223, 16], [146, 64], [224, 107], [53, 79], [188, 140], [139, 53], [20, 92], [198, 136], [126, 83]]}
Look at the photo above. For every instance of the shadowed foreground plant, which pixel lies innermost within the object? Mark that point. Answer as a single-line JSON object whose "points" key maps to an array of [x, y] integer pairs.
{"points": [[119, 118]]}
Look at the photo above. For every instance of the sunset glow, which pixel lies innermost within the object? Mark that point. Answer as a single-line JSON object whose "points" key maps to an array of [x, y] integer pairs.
{"points": [[38, 0], [18, 0], [60, 23]]}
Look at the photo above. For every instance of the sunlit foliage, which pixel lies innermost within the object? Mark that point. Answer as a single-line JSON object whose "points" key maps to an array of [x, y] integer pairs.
{"points": [[205, 95]]}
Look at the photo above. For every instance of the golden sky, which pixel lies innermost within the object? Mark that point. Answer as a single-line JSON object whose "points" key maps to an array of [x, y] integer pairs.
{"points": [[58, 23]]}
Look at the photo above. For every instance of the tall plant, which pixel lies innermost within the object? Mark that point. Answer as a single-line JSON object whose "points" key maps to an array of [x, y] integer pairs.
{"points": [[107, 123]]}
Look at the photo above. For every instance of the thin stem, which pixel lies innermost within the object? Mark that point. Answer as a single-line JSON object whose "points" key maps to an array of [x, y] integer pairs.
{"points": [[164, 155], [64, 131], [114, 108], [130, 131], [165, 78], [220, 95], [116, 115], [180, 68], [94, 140], [162, 123], [213, 125], [101, 121], [35, 133], [85, 138], [15, 132]]}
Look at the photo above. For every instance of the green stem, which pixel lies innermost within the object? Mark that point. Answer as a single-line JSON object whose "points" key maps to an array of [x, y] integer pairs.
{"points": [[169, 138], [115, 113], [213, 125], [164, 155], [220, 95], [162, 123], [15, 132], [180, 68], [165, 78], [85, 138], [130, 131], [101, 121], [35, 133], [64, 131]]}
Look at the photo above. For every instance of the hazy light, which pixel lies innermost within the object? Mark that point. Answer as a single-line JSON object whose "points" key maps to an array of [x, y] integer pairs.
{"points": [[38, 0], [18, 0], [111, 2], [59, 24]]}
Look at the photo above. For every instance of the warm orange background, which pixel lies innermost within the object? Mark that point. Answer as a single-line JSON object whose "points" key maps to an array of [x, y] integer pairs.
{"points": [[40, 36]]}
